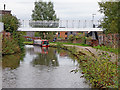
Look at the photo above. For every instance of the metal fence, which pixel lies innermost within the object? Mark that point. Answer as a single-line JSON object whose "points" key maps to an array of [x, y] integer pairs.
{"points": [[60, 24]]}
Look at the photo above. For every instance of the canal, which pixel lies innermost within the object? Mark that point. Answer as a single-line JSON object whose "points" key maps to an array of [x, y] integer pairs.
{"points": [[41, 68]]}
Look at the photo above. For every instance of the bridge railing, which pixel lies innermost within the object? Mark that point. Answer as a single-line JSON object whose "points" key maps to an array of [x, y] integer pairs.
{"points": [[44, 24], [60, 24]]}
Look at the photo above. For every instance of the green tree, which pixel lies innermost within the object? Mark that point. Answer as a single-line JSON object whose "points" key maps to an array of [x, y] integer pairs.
{"points": [[44, 11], [11, 23], [111, 16], [71, 38]]}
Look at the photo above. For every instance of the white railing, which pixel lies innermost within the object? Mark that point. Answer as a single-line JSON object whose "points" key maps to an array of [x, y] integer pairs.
{"points": [[59, 24]]}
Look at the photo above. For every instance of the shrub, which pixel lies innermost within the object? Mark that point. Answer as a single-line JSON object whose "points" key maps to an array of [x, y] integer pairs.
{"points": [[10, 46]]}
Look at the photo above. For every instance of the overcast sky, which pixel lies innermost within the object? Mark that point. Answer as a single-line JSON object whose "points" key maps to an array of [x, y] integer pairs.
{"points": [[65, 9]]}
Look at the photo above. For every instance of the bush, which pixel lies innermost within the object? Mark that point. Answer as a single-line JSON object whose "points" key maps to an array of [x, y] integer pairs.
{"points": [[11, 23], [10, 46], [71, 38]]}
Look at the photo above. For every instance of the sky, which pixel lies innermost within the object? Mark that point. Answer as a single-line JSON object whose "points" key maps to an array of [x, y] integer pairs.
{"points": [[65, 9]]}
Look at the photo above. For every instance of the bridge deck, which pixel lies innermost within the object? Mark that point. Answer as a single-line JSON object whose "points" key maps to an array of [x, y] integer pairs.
{"points": [[60, 29]]}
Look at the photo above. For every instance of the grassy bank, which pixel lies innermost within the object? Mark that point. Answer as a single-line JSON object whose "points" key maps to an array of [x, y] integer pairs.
{"points": [[106, 48], [28, 42], [78, 44], [100, 72]]}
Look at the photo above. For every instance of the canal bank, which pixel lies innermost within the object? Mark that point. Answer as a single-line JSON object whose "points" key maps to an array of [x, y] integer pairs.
{"points": [[99, 71]]}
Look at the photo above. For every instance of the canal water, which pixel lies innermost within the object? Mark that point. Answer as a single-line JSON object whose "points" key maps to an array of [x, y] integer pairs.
{"points": [[41, 68]]}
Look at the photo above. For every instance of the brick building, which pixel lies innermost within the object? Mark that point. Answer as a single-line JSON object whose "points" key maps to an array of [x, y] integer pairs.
{"points": [[2, 32], [65, 34], [3, 12]]}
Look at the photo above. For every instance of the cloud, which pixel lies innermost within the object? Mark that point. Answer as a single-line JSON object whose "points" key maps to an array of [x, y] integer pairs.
{"points": [[82, 9]]}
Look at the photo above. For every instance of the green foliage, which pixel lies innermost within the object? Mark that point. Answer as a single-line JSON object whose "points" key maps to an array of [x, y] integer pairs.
{"points": [[78, 44], [28, 42], [100, 71], [11, 23], [71, 38], [37, 34], [50, 36], [45, 35], [78, 36], [110, 20], [44, 11], [59, 45], [106, 48], [18, 37], [9, 46], [11, 61]]}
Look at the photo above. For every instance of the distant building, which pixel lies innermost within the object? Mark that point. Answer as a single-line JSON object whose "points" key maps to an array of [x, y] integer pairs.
{"points": [[3, 12], [2, 32], [65, 34]]}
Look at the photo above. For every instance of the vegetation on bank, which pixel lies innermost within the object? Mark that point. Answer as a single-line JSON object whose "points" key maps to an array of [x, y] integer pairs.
{"points": [[13, 43], [78, 44], [109, 49], [9, 46], [11, 61], [100, 71], [28, 42], [78, 36], [104, 48]]}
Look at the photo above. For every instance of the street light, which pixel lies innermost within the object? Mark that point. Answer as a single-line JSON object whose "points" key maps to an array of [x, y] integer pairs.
{"points": [[93, 19]]}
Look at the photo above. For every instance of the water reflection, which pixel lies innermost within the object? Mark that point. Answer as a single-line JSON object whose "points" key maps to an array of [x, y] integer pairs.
{"points": [[41, 68], [42, 50], [12, 61], [45, 56], [64, 53]]}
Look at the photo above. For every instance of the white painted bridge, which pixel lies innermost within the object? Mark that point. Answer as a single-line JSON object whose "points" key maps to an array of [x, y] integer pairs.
{"points": [[61, 25]]}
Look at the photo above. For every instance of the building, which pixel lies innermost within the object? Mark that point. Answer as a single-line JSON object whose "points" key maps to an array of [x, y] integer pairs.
{"points": [[2, 32], [65, 34], [3, 12]]}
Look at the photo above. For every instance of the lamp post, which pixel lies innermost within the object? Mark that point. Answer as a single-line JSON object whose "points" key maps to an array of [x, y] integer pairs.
{"points": [[93, 19]]}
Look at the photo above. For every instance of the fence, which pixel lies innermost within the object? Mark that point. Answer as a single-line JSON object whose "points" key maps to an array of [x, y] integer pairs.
{"points": [[111, 40], [60, 24]]}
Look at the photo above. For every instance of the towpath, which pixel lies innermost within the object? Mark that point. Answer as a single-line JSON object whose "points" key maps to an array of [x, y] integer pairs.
{"points": [[95, 52]]}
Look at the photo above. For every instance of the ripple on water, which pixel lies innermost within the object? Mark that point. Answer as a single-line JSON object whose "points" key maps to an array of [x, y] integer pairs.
{"points": [[38, 70]]}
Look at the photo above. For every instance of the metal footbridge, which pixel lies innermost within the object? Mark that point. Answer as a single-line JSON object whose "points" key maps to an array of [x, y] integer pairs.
{"points": [[61, 25]]}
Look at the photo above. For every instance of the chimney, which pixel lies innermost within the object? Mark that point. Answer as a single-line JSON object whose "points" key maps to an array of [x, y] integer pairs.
{"points": [[4, 6]]}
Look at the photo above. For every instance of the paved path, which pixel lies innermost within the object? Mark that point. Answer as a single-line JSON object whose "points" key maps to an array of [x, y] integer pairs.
{"points": [[96, 52]]}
